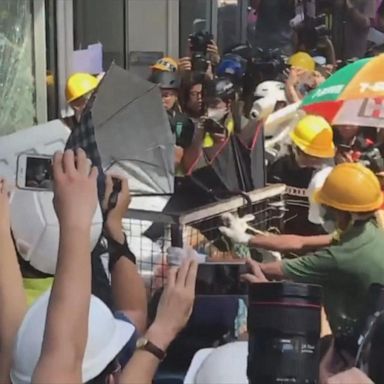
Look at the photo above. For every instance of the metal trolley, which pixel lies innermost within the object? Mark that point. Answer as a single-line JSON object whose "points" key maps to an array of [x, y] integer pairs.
{"points": [[150, 234]]}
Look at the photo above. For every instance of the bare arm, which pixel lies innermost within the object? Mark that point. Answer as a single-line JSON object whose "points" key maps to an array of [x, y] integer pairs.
{"points": [[192, 153], [66, 329], [273, 271], [360, 19], [262, 273], [13, 302], [290, 243], [129, 294], [173, 312], [293, 95], [128, 288]]}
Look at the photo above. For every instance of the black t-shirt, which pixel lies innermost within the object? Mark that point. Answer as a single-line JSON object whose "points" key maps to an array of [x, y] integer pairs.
{"points": [[286, 171]]}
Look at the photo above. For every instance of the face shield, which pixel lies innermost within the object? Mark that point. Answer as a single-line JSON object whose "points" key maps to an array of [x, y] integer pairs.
{"points": [[36, 230]]}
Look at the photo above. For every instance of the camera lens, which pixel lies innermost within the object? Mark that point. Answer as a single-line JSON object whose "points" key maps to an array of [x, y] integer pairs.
{"points": [[284, 331]]}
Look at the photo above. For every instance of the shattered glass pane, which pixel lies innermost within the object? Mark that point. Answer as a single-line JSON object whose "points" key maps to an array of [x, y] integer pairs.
{"points": [[17, 84]]}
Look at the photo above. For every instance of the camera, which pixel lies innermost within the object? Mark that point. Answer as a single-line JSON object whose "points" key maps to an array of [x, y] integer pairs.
{"points": [[312, 30], [352, 336], [212, 126], [284, 332], [373, 160], [198, 43], [369, 156], [269, 63]]}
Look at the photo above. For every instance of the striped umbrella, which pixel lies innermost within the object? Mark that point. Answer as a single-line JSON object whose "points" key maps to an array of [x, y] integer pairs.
{"points": [[353, 95]]}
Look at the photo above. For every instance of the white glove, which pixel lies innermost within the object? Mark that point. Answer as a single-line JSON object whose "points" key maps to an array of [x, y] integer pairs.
{"points": [[236, 227]]}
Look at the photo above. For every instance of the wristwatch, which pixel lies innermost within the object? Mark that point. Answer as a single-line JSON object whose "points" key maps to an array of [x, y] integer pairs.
{"points": [[144, 344]]}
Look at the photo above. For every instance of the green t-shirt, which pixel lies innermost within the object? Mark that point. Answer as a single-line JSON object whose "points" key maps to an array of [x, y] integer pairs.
{"points": [[346, 269]]}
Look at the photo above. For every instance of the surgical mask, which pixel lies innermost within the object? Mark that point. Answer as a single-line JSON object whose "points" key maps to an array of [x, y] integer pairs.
{"points": [[217, 114], [328, 221]]}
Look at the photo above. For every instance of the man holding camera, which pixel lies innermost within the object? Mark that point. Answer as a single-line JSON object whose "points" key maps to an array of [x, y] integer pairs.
{"points": [[216, 125], [204, 54]]}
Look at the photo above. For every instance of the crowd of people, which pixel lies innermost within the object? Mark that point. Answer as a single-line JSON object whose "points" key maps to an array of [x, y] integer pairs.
{"points": [[80, 313]]}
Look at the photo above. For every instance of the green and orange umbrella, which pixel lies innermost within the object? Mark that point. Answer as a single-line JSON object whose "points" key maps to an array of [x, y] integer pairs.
{"points": [[353, 95]]}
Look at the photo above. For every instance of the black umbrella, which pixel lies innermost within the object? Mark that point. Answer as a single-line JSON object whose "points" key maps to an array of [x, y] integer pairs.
{"points": [[132, 129]]}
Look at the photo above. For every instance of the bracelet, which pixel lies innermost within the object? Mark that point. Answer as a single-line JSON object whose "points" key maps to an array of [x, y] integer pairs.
{"points": [[117, 250]]}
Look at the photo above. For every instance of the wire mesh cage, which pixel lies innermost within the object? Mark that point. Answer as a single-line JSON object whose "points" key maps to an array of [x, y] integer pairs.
{"points": [[150, 234]]}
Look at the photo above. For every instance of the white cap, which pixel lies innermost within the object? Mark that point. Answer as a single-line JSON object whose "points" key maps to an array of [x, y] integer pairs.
{"points": [[36, 230], [106, 338], [225, 365]]}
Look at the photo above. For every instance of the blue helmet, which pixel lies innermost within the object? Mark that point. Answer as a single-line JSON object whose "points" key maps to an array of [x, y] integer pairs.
{"points": [[231, 65]]}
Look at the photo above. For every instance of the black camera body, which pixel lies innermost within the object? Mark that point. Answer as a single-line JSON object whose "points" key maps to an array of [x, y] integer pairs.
{"points": [[373, 160], [353, 335], [369, 155], [198, 43], [212, 126], [268, 64], [313, 30]]}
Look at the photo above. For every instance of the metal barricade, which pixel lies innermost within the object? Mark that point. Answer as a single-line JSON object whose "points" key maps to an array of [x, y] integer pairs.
{"points": [[199, 229]]}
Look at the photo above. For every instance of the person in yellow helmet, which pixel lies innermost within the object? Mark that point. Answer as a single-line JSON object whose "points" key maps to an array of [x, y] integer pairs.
{"points": [[165, 64], [309, 161], [302, 60], [78, 90], [351, 263]]}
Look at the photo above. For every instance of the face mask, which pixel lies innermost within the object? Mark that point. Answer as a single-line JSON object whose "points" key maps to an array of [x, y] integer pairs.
{"points": [[217, 114], [327, 220]]}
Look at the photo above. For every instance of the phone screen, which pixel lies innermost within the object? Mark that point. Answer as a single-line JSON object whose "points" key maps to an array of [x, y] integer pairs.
{"points": [[38, 173], [220, 279]]}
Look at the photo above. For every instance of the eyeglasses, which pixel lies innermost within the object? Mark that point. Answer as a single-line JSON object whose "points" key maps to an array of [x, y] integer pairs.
{"points": [[195, 94]]}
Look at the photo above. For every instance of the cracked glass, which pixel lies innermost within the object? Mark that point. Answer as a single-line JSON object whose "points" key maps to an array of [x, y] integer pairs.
{"points": [[17, 84]]}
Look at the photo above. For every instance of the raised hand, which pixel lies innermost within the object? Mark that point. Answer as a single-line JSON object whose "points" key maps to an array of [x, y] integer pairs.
{"points": [[75, 188]]}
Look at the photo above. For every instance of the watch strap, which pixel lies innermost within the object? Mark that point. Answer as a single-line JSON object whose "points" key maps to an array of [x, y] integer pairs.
{"points": [[148, 346], [117, 250]]}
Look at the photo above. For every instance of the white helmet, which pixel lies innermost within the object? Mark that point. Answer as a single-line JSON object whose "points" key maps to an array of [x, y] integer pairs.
{"points": [[225, 365], [35, 228], [275, 89], [106, 338]]}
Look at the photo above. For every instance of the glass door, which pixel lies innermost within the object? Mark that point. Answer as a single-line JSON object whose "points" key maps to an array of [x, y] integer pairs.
{"points": [[17, 80]]}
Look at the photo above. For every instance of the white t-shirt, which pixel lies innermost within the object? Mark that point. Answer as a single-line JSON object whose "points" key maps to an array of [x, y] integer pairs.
{"points": [[316, 183]]}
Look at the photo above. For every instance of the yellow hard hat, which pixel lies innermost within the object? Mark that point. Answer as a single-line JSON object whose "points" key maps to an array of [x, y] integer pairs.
{"points": [[351, 187], [314, 136], [79, 84], [302, 60], [166, 64]]}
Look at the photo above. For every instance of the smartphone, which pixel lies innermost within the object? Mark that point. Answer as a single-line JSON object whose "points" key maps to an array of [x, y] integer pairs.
{"points": [[34, 172], [220, 278], [212, 126]]}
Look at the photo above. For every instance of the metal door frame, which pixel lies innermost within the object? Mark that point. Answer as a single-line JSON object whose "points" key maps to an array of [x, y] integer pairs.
{"points": [[64, 15], [39, 60]]}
